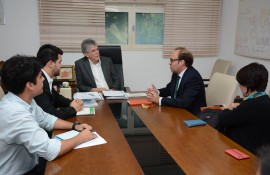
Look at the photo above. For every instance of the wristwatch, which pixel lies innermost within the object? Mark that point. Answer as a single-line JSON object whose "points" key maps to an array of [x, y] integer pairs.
{"points": [[74, 125]]}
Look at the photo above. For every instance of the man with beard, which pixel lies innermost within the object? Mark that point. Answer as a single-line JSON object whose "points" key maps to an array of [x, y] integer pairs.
{"points": [[186, 88], [50, 100]]}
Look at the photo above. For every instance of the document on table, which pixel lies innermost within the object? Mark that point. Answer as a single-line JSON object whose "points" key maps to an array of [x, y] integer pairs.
{"points": [[88, 95], [115, 94], [138, 94], [86, 111], [72, 133]]}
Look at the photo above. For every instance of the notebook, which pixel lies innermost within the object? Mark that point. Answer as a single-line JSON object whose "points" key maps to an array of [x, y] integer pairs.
{"points": [[87, 111], [237, 154], [196, 122]]}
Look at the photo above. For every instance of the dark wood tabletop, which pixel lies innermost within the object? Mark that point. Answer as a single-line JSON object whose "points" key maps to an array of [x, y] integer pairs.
{"points": [[114, 157], [198, 150]]}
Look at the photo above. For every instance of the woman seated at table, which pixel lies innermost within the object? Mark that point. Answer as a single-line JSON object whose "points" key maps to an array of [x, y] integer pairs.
{"points": [[248, 123]]}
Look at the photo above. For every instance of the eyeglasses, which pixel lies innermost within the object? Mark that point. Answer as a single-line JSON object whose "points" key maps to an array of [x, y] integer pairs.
{"points": [[172, 60]]}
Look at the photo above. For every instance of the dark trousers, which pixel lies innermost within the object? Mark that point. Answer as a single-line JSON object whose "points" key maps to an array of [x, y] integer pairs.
{"points": [[39, 169]]}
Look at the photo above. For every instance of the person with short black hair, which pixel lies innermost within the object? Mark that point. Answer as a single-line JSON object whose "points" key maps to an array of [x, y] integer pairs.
{"points": [[247, 123], [22, 122], [95, 73], [186, 88], [50, 100]]}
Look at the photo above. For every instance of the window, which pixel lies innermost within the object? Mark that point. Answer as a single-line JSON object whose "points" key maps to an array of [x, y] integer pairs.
{"points": [[135, 27], [193, 24], [133, 24]]}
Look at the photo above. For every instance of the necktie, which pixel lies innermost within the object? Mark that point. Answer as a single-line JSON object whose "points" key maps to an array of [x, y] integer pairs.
{"points": [[176, 86]]}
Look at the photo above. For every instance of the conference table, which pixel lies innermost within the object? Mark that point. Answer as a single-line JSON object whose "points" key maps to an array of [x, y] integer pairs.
{"points": [[114, 157], [196, 150]]}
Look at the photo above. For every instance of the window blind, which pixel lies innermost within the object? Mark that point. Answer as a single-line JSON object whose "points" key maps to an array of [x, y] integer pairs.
{"points": [[193, 24], [66, 23], [155, 2]]}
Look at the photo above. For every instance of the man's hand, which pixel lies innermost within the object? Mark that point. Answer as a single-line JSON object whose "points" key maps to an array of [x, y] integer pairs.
{"points": [[77, 104], [98, 89], [83, 126], [152, 89], [87, 135], [154, 97]]}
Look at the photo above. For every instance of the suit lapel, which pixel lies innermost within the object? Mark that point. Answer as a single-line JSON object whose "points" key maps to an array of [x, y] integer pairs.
{"points": [[46, 86], [104, 68], [183, 80], [89, 70]]}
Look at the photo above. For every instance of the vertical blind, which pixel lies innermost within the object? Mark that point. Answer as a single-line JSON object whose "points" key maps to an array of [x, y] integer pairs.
{"points": [[65, 23], [193, 24]]}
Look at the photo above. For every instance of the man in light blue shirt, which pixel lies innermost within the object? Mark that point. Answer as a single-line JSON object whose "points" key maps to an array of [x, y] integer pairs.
{"points": [[22, 122]]}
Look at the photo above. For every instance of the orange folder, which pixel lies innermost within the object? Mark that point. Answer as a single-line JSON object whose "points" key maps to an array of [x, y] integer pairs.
{"points": [[134, 102]]}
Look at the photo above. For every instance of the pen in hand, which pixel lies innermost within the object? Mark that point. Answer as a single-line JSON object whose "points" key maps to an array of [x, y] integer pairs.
{"points": [[90, 130]]}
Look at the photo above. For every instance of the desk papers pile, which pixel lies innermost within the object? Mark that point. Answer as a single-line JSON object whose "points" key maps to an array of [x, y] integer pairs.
{"points": [[115, 95]]}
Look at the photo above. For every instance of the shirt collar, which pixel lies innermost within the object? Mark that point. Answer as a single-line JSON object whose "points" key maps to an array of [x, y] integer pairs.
{"points": [[92, 64], [14, 98], [182, 73], [49, 79]]}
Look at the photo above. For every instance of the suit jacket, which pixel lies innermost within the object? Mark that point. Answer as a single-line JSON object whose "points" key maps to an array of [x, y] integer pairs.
{"points": [[85, 78], [190, 94], [54, 103]]}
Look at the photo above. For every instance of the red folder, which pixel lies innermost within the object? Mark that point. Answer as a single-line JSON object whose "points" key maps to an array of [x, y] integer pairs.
{"points": [[134, 102], [237, 154]]}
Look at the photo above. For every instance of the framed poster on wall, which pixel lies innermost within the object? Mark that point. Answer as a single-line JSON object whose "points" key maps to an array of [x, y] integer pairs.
{"points": [[253, 29]]}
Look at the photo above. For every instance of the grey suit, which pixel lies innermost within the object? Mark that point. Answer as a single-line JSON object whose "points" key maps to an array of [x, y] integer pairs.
{"points": [[85, 78]]}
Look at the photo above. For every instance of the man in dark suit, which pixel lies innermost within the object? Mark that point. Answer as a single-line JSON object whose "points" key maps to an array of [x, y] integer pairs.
{"points": [[95, 73], [186, 89], [50, 100]]}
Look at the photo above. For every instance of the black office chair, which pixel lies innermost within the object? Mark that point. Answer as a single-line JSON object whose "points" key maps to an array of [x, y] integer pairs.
{"points": [[115, 53]]}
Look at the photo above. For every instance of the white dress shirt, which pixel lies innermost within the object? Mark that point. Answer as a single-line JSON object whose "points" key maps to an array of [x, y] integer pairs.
{"points": [[98, 75], [49, 79], [22, 139]]}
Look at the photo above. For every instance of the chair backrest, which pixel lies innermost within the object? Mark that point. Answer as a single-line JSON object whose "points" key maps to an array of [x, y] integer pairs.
{"points": [[2, 93], [221, 66], [222, 89], [115, 53]]}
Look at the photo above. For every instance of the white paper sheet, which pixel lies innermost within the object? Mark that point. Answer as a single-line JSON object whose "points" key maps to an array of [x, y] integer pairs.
{"points": [[72, 133]]}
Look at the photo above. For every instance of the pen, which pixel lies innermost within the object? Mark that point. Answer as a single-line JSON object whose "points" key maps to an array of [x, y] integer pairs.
{"points": [[90, 130]]}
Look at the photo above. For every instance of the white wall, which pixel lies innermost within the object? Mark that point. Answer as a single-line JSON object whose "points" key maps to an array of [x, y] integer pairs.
{"points": [[20, 35], [227, 39]]}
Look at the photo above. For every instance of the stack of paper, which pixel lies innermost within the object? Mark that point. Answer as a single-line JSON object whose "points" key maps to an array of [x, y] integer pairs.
{"points": [[86, 111], [90, 103], [88, 95], [138, 94], [115, 94], [70, 134]]}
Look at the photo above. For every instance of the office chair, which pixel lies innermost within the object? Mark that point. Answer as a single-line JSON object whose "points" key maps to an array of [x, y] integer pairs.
{"points": [[2, 93], [221, 66], [115, 53], [222, 89]]}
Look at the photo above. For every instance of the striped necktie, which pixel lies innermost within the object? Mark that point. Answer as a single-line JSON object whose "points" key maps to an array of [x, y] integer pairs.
{"points": [[176, 86]]}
